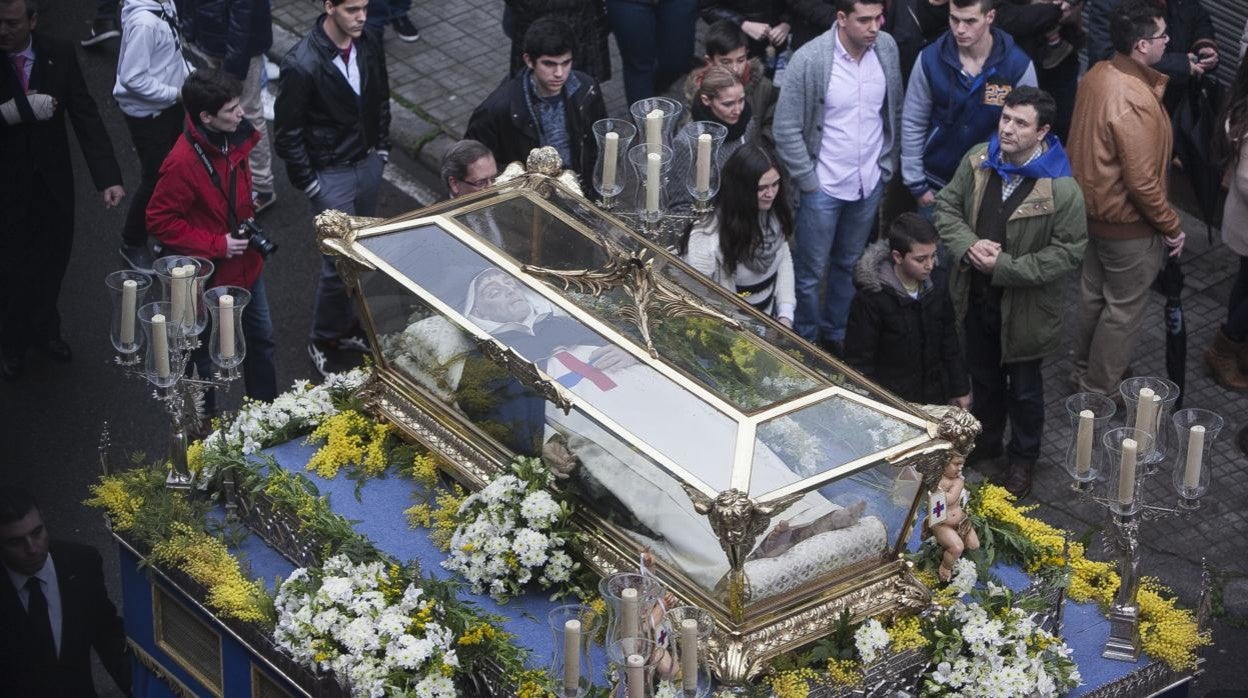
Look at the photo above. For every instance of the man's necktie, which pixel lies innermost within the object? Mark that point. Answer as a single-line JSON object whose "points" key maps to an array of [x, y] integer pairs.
{"points": [[19, 65], [40, 622]]}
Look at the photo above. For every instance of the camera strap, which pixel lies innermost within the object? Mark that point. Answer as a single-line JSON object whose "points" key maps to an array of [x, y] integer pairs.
{"points": [[231, 220]]}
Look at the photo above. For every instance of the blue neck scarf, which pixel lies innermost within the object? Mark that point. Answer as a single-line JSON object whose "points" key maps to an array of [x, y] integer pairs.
{"points": [[1052, 163]]}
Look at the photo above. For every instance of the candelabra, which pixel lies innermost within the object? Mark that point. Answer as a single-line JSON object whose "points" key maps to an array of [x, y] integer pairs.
{"points": [[1130, 456], [170, 341], [696, 146]]}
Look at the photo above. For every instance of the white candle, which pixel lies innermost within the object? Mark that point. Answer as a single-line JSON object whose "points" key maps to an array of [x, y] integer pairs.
{"points": [[192, 293], [1195, 450], [636, 676], [689, 654], [225, 325], [1144, 411], [1126, 474], [654, 163], [571, 655], [129, 296], [1083, 444], [177, 295], [654, 131], [703, 181], [610, 153], [630, 613], [160, 346]]}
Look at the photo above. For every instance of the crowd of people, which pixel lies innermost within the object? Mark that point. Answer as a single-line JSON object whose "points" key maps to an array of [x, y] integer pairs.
{"points": [[965, 136]]}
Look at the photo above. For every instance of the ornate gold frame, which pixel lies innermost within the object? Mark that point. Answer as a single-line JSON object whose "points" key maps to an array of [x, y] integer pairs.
{"points": [[747, 636]]}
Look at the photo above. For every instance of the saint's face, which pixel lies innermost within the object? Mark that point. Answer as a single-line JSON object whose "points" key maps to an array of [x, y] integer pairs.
{"points": [[499, 298]]}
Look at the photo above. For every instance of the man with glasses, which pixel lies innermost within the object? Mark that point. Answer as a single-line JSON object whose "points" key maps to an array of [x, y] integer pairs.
{"points": [[467, 167], [1120, 147]]}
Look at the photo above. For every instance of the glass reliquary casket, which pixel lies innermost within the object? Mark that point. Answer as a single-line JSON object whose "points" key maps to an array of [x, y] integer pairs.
{"points": [[769, 481]]}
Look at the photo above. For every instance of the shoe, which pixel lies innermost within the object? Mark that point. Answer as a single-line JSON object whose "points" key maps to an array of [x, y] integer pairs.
{"points": [[984, 457], [138, 257], [405, 29], [835, 347], [1017, 480], [355, 342], [1222, 358], [57, 350], [102, 29], [261, 200]]}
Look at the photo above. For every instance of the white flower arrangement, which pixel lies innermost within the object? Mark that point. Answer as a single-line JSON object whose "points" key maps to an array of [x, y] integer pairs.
{"points": [[263, 424], [368, 624], [871, 639], [511, 533], [964, 576], [991, 648]]}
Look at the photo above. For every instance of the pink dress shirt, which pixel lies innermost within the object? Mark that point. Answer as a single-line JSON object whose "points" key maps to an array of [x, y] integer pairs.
{"points": [[853, 128]]}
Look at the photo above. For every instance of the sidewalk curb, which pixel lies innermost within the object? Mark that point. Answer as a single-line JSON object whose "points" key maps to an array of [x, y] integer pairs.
{"points": [[425, 141]]}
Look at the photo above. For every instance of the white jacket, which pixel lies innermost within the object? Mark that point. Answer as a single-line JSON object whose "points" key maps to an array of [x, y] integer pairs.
{"points": [[150, 69]]}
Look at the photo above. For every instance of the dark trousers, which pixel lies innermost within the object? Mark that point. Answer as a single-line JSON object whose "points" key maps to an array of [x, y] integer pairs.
{"points": [[1236, 328], [1013, 390], [39, 229], [655, 40], [381, 12], [153, 138]]}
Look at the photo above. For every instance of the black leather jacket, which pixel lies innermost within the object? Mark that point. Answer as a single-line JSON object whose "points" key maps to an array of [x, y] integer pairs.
{"points": [[504, 123], [319, 120]]}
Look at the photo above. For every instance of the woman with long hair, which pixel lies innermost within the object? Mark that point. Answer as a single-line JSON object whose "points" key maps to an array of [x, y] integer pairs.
{"points": [[1227, 356], [744, 245], [720, 98]]}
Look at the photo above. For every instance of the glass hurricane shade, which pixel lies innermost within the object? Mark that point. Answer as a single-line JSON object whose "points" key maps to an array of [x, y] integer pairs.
{"points": [[650, 167], [572, 627], [1123, 446], [656, 119], [1195, 430], [1089, 414], [183, 288], [700, 142], [127, 291], [1165, 394], [226, 345], [610, 169], [163, 359]]}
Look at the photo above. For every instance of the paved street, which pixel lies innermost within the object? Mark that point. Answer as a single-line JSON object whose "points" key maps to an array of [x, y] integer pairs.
{"points": [[51, 418]]}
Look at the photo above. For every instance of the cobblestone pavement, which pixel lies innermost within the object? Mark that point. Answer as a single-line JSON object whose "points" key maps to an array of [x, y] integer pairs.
{"points": [[463, 54]]}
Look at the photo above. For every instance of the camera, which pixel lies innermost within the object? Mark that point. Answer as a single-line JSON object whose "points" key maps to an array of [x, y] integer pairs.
{"points": [[255, 237]]}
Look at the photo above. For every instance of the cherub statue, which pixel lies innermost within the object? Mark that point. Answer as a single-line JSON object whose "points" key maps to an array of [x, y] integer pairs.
{"points": [[947, 520]]}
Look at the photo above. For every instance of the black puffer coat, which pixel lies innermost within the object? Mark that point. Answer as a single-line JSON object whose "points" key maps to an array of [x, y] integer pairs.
{"points": [[906, 345], [770, 12], [588, 20]]}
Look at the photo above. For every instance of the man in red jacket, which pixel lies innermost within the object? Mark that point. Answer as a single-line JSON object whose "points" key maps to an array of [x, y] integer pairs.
{"points": [[203, 196]]}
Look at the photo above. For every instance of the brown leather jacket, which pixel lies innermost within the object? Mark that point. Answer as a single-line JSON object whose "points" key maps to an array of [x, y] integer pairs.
{"points": [[1120, 146]]}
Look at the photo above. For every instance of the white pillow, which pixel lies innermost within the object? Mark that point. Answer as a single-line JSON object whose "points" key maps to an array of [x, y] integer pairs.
{"points": [[431, 351]]}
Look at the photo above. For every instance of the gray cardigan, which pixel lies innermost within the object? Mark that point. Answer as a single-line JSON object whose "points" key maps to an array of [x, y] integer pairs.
{"points": [[798, 127]]}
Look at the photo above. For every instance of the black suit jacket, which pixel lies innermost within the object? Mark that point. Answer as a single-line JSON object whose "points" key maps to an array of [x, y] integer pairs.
{"points": [[42, 148], [88, 619]]}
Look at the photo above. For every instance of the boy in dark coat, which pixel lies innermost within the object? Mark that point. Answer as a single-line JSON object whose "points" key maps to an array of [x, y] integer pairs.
{"points": [[901, 330]]}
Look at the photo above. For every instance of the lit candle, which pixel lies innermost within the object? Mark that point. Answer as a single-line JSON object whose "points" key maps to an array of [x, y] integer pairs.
{"points": [[654, 131], [129, 296], [1195, 449], [160, 346], [636, 676], [177, 295], [225, 325], [1144, 411], [630, 612], [1126, 474], [703, 182], [653, 164], [571, 656], [1083, 444], [610, 153], [689, 654]]}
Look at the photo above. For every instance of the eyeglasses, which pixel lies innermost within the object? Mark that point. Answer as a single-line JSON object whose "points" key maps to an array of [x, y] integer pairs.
{"points": [[1162, 35], [479, 183]]}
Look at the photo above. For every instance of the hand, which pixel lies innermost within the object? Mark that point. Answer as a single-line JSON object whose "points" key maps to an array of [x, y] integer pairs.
{"points": [[610, 357], [113, 195], [1175, 243], [984, 261], [1195, 67], [234, 247], [779, 34], [787, 322], [925, 199], [1069, 13], [963, 401], [755, 30], [1208, 58], [987, 247], [44, 106]]}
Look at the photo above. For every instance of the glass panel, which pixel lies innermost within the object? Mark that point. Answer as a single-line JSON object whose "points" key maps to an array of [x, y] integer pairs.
{"points": [[642, 401], [532, 235], [625, 487], [818, 438], [851, 521]]}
